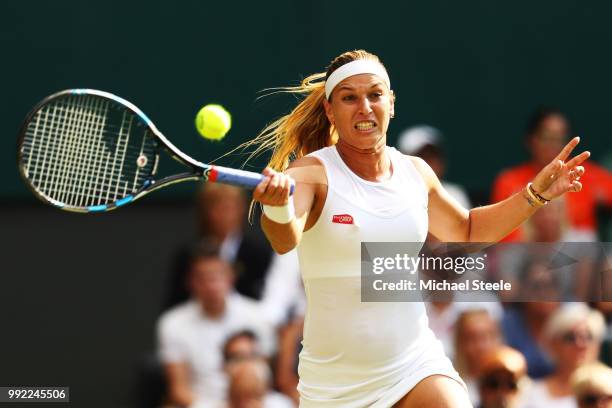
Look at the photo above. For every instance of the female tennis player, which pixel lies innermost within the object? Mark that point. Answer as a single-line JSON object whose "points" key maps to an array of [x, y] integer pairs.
{"points": [[352, 188]]}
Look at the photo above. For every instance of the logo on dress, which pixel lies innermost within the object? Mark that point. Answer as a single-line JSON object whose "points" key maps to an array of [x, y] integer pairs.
{"points": [[343, 219]]}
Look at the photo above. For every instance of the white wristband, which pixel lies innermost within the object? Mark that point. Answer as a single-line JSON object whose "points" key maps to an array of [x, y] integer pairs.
{"points": [[280, 214]]}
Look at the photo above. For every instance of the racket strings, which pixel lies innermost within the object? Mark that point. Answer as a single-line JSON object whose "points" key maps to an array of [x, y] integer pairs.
{"points": [[57, 169], [81, 151]]}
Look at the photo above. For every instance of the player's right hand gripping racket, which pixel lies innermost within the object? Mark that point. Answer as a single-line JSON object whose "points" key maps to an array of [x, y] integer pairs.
{"points": [[87, 151]]}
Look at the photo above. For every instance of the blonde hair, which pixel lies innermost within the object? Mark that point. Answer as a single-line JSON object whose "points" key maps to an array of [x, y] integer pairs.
{"points": [[592, 377], [306, 128], [571, 314]]}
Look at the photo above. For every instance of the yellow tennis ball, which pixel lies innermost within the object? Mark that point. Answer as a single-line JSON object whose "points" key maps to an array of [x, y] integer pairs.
{"points": [[213, 122]]}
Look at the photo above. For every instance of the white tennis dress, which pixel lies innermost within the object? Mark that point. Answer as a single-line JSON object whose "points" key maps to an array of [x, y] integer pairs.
{"points": [[366, 354]]}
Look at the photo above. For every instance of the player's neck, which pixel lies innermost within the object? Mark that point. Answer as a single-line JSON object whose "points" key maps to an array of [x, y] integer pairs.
{"points": [[371, 164]]}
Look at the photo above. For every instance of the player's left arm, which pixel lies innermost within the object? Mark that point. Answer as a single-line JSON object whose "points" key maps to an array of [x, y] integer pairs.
{"points": [[449, 222]]}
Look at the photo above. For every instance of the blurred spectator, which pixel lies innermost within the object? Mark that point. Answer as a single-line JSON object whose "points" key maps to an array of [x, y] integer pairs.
{"points": [[191, 335], [592, 386], [476, 334], [547, 132], [240, 346], [537, 282], [573, 337], [221, 213], [549, 225], [606, 349], [503, 378], [443, 318], [523, 328], [537, 288], [259, 273], [550, 269], [289, 348], [249, 387], [426, 142]]}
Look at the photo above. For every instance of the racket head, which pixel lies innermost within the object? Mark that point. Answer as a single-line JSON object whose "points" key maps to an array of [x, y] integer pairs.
{"points": [[86, 150]]}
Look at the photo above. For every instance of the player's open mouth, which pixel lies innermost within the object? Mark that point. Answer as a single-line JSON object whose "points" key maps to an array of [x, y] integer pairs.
{"points": [[365, 125]]}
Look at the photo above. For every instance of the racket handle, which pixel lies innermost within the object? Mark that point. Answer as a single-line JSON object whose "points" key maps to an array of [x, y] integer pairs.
{"points": [[241, 178]]}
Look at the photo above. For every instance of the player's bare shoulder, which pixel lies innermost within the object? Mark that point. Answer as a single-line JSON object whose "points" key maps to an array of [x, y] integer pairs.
{"points": [[307, 169], [424, 170]]}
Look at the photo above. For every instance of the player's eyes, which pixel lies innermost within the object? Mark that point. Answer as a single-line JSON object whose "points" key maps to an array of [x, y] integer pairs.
{"points": [[371, 96]]}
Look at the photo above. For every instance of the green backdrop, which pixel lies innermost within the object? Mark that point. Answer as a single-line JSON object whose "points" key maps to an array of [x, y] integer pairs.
{"points": [[80, 295], [474, 69]]}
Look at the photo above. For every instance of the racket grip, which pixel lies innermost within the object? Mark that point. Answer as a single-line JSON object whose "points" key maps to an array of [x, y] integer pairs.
{"points": [[241, 178]]}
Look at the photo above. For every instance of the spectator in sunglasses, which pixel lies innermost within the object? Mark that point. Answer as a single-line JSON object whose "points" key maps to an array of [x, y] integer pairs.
{"points": [[572, 337], [592, 385], [503, 378]]}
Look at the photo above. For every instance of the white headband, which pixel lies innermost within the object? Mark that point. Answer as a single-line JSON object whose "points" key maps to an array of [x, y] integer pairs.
{"points": [[356, 67]]}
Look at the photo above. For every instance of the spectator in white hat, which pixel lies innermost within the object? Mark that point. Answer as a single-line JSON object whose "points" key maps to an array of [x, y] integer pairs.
{"points": [[426, 142]]}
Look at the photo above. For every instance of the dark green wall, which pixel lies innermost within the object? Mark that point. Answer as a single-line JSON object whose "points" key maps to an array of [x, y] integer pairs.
{"points": [[84, 318], [474, 69]]}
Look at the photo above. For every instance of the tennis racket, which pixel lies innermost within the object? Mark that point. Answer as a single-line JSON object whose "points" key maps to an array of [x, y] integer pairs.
{"points": [[90, 151]]}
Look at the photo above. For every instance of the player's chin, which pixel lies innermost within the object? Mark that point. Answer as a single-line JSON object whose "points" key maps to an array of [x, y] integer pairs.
{"points": [[368, 139]]}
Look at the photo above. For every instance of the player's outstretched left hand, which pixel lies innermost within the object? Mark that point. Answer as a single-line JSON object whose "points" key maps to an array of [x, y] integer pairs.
{"points": [[561, 176]]}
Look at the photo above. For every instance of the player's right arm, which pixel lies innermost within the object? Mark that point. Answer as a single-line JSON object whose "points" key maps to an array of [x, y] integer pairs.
{"points": [[305, 174]]}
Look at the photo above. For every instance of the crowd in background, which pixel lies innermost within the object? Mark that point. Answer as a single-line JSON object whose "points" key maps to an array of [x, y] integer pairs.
{"points": [[231, 331]]}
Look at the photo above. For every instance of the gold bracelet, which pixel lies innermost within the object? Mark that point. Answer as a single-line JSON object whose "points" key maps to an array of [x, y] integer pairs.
{"points": [[532, 199], [535, 193]]}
